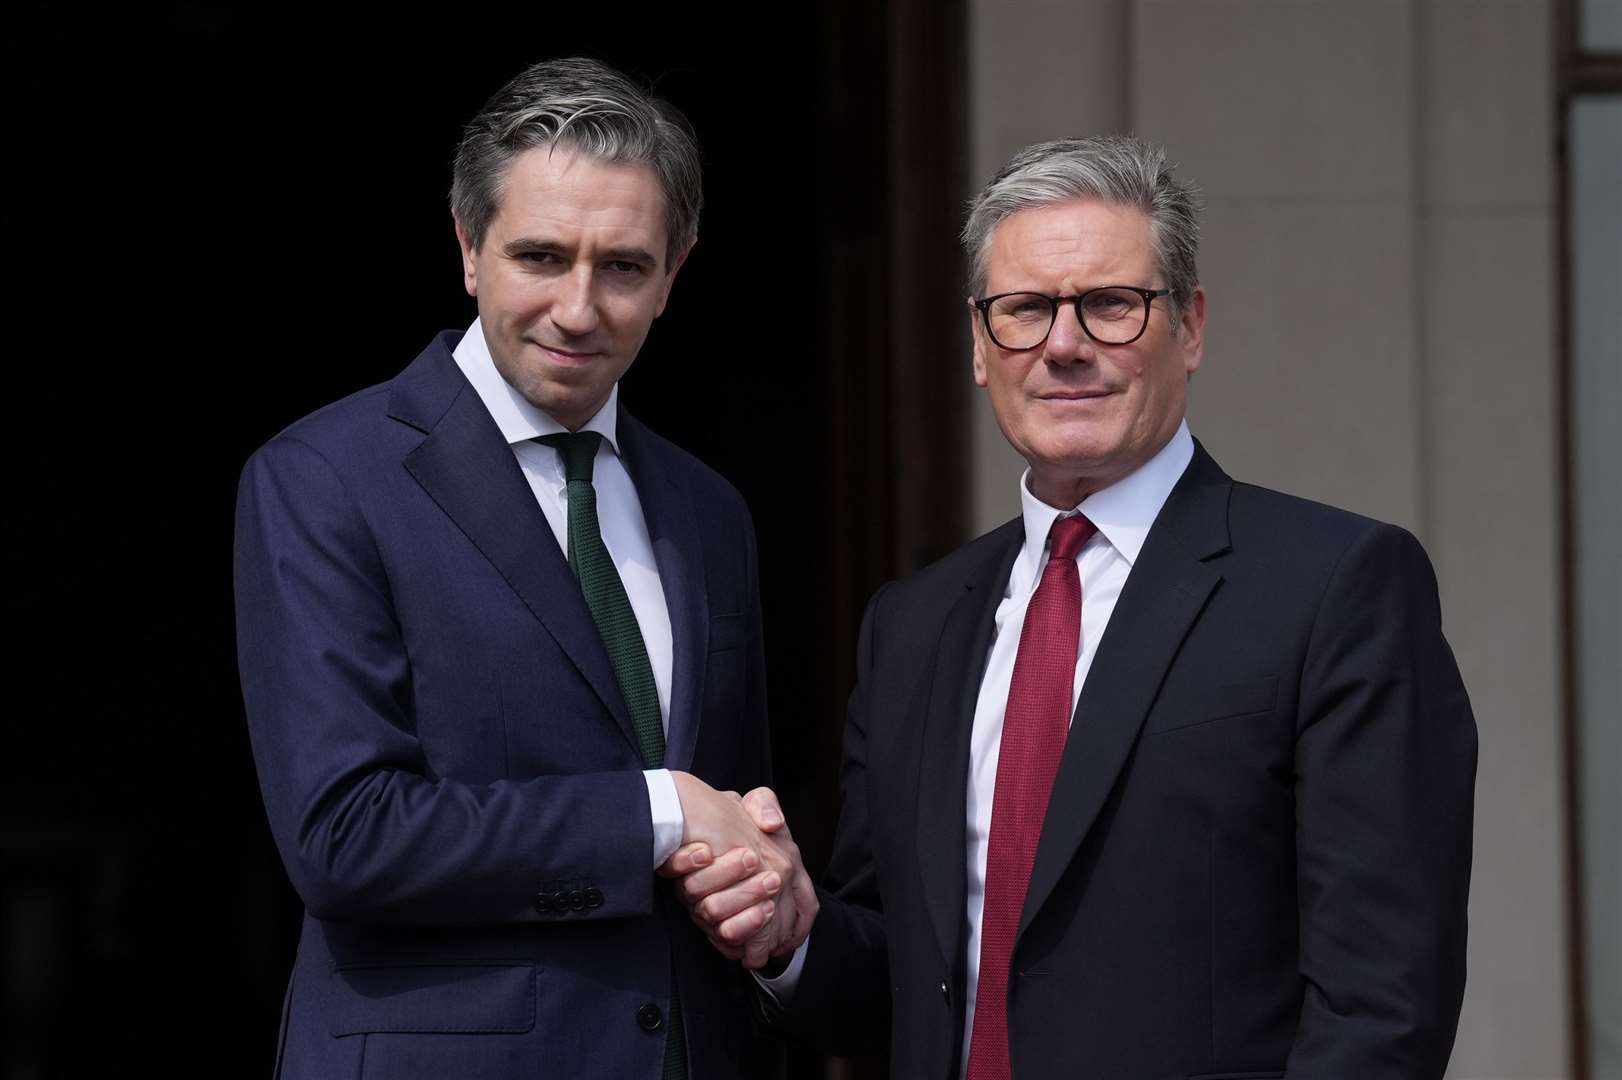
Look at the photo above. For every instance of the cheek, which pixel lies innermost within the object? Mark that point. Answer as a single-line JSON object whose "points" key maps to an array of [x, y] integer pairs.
{"points": [[520, 299], [1009, 401], [1130, 365], [627, 316], [1012, 376]]}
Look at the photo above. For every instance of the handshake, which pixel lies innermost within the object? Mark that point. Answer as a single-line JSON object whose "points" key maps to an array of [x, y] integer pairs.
{"points": [[739, 873]]}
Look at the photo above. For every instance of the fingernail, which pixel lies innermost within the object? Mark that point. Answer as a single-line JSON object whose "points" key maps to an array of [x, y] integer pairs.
{"points": [[701, 857], [750, 861], [771, 909], [772, 882], [770, 816]]}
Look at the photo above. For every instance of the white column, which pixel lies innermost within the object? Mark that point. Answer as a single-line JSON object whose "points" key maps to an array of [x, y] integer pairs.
{"points": [[1491, 468]]}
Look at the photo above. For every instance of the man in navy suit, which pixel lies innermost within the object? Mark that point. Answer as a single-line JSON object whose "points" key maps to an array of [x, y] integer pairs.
{"points": [[1168, 777], [501, 653]]}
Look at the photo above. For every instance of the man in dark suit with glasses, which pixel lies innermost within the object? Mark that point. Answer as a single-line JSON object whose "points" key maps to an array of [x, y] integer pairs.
{"points": [[1169, 776]]}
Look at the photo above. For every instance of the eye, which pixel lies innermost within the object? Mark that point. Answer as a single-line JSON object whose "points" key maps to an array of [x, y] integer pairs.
{"points": [[1022, 306], [626, 267], [1110, 305], [540, 258]]}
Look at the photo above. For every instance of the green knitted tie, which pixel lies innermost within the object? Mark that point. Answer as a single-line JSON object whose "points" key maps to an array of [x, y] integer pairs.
{"points": [[605, 594], [611, 610]]}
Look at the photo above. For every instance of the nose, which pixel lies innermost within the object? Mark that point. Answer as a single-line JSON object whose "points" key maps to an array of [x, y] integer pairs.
{"points": [[1067, 342], [574, 307]]}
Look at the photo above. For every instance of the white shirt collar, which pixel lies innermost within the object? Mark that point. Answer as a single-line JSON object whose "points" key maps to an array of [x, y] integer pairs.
{"points": [[518, 420], [1123, 511]]}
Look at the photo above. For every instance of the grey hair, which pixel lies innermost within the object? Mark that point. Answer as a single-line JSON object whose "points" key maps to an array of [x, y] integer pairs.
{"points": [[589, 107], [1117, 169]]}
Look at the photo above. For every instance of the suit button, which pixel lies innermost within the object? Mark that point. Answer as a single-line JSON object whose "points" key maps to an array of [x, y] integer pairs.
{"points": [[577, 900], [594, 897], [649, 1018], [946, 992], [543, 903]]}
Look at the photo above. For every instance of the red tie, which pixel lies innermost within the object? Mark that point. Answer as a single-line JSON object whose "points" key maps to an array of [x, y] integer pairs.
{"points": [[1033, 732]]}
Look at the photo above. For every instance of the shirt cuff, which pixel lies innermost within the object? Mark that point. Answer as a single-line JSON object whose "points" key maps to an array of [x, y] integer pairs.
{"points": [[664, 806], [781, 989]]}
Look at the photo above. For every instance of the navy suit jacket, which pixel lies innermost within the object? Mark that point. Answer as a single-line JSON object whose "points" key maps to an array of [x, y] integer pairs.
{"points": [[1256, 856], [450, 771]]}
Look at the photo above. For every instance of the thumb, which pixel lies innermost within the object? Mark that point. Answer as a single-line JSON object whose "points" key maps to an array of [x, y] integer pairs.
{"points": [[764, 810]]}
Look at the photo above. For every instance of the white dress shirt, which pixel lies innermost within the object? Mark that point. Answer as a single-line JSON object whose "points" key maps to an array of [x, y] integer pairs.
{"points": [[1123, 513], [624, 532]]}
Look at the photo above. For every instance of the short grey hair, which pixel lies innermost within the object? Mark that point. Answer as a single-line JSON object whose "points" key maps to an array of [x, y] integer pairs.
{"points": [[1117, 169], [589, 107]]}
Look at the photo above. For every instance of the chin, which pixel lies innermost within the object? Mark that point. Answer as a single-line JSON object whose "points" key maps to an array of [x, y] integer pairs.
{"points": [[1081, 456]]}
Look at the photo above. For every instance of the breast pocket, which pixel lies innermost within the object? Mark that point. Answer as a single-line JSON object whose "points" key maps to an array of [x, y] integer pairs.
{"points": [[1190, 709]]}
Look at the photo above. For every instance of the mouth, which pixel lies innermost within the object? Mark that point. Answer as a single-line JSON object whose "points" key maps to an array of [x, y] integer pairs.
{"points": [[1074, 395], [566, 357]]}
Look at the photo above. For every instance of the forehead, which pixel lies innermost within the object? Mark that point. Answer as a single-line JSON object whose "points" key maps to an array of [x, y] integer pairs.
{"points": [[1069, 246], [550, 191]]}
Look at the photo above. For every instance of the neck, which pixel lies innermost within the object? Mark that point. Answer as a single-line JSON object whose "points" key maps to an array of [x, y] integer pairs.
{"points": [[1066, 492]]}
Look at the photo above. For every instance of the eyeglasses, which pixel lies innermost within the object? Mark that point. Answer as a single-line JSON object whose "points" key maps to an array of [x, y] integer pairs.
{"points": [[1109, 314]]}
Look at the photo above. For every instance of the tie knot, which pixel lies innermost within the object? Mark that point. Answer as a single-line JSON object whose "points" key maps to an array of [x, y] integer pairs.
{"points": [[578, 449], [1068, 534]]}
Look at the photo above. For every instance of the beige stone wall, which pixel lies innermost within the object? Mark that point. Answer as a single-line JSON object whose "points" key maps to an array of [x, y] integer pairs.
{"points": [[1379, 255]]}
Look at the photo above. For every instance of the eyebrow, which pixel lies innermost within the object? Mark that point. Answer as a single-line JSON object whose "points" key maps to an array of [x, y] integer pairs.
{"points": [[524, 246], [632, 254]]}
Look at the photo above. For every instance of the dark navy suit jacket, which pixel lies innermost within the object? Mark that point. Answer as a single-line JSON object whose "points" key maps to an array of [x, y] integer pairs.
{"points": [[1256, 857], [450, 771]]}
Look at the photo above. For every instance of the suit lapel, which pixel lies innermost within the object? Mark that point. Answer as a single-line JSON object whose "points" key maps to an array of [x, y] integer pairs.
{"points": [[947, 723], [1164, 594], [468, 469], [678, 551]]}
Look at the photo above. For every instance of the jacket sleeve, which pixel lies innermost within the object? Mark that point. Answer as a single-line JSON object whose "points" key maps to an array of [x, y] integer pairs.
{"points": [[364, 829], [1385, 778]]}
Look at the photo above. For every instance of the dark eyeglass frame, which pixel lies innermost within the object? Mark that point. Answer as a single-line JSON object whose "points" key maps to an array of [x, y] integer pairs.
{"points": [[1056, 302]]}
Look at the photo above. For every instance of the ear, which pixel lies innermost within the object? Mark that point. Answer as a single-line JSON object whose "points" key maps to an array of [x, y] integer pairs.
{"points": [[670, 279], [1191, 331], [977, 332], [469, 269]]}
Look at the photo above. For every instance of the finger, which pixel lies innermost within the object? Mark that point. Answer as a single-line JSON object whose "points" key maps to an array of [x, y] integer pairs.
{"points": [[720, 906], [753, 928], [783, 855], [806, 906], [687, 858], [738, 930], [764, 809], [759, 950], [728, 870]]}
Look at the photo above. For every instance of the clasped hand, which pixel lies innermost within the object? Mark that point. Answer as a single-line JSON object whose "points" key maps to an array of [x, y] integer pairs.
{"points": [[739, 872]]}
